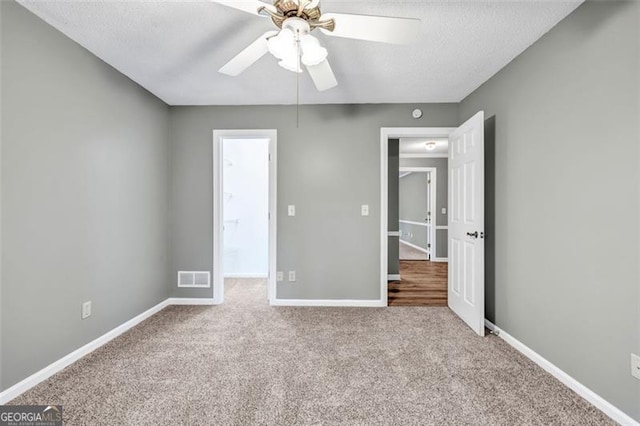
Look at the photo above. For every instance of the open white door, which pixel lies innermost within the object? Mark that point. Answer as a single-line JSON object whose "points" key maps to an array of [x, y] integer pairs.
{"points": [[466, 222], [431, 223]]}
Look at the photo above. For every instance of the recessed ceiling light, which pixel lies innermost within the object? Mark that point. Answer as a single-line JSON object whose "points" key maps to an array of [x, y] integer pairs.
{"points": [[431, 145]]}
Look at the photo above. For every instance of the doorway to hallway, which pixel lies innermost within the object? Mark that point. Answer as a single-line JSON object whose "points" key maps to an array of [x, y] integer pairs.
{"points": [[465, 224], [420, 280]]}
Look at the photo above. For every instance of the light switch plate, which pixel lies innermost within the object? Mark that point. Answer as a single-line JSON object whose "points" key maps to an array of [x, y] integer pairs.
{"points": [[86, 310], [291, 210], [444, 210], [364, 210], [635, 366]]}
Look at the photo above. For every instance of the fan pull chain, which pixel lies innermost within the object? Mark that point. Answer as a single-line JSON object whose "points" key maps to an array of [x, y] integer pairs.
{"points": [[298, 81]]}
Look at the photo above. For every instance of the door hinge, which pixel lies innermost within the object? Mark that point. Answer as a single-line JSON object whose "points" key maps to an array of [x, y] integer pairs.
{"points": [[428, 245]]}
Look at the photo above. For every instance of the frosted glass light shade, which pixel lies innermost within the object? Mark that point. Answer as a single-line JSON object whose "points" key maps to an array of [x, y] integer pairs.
{"points": [[285, 47], [291, 63], [283, 44], [312, 52]]}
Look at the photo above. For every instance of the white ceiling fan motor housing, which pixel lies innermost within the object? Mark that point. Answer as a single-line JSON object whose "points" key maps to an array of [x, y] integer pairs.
{"points": [[298, 26]]}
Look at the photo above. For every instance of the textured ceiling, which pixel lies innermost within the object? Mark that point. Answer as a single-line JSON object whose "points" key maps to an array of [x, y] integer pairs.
{"points": [[174, 48]]}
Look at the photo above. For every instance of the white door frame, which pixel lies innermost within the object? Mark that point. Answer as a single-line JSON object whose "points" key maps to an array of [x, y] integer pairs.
{"points": [[218, 203], [385, 134], [432, 226]]}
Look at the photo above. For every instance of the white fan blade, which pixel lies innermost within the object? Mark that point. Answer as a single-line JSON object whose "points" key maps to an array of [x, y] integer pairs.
{"points": [[373, 28], [248, 56], [322, 76], [249, 6]]}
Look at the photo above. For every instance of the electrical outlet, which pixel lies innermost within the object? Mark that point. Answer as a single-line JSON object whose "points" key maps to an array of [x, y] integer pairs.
{"points": [[291, 210], [635, 366], [86, 310], [364, 210], [444, 210], [280, 276], [292, 276]]}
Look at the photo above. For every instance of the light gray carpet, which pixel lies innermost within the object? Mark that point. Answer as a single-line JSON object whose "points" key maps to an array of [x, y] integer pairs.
{"points": [[247, 363]]}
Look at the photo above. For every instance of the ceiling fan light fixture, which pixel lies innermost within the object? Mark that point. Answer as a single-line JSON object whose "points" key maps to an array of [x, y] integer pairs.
{"points": [[312, 52], [430, 145], [295, 19], [291, 64], [282, 45]]}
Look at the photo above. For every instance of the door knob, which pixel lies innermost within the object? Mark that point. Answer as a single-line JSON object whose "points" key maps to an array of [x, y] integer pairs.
{"points": [[473, 234]]}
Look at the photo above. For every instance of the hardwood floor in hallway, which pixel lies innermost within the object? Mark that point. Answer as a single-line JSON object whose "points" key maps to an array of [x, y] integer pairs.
{"points": [[423, 283]]}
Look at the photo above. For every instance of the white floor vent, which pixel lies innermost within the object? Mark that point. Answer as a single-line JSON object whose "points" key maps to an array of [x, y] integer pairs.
{"points": [[198, 279]]}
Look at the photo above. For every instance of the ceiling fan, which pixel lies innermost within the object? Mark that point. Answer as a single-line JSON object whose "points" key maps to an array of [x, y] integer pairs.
{"points": [[293, 44]]}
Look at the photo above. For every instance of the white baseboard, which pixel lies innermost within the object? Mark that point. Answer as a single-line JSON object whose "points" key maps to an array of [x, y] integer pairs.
{"points": [[191, 301], [414, 246], [53, 368], [329, 303], [246, 275], [603, 405], [435, 259], [74, 356], [393, 277]]}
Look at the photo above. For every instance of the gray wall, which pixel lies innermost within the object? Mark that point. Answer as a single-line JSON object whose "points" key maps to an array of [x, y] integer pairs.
{"points": [[393, 244], [328, 167], [413, 197], [84, 195], [442, 182], [85, 163], [414, 234], [417, 235], [442, 197], [564, 157]]}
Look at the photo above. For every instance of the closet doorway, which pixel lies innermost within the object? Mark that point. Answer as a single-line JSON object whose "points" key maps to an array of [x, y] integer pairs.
{"points": [[244, 214]]}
